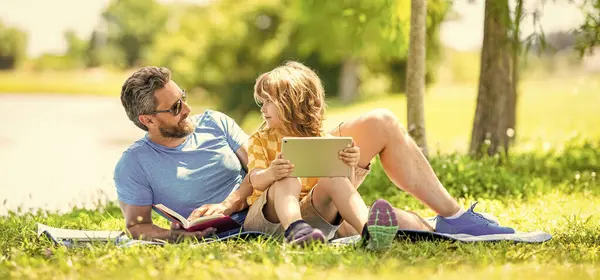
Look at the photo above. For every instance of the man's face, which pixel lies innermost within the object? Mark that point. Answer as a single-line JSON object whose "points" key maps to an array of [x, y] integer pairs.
{"points": [[168, 124]]}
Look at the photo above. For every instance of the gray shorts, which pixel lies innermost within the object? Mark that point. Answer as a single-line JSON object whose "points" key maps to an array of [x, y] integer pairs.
{"points": [[256, 221]]}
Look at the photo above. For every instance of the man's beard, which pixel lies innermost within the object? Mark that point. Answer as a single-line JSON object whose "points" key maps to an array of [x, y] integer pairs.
{"points": [[180, 130]]}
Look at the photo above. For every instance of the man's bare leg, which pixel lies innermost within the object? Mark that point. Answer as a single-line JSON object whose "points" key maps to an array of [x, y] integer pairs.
{"points": [[406, 220], [380, 133]]}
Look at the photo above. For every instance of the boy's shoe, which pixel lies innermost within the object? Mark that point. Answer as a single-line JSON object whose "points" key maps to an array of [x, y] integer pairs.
{"points": [[471, 223], [381, 227], [303, 234]]}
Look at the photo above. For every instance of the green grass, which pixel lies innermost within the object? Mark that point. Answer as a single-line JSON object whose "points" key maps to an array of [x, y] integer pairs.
{"points": [[574, 250], [549, 113], [549, 183], [556, 191], [96, 82]]}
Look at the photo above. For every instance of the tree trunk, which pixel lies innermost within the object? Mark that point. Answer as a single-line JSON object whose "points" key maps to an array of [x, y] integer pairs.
{"points": [[511, 105], [349, 80], [490, 123], [415, 73]]}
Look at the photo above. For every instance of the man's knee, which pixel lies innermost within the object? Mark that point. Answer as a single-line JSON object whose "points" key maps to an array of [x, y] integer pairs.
{"points": [[386, 119], [382, 114]]}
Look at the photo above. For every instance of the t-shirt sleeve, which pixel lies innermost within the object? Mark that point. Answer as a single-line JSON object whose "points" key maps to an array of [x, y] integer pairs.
{"points": [[236, 137], [257, 157], [131, 182]]}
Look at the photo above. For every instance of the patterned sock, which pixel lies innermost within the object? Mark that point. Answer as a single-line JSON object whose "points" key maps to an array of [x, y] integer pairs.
{"points": [[294, 225]]}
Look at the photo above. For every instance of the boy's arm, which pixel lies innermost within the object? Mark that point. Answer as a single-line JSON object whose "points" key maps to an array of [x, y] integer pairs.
{"points": [[261, 178], [278, 169], [258, 165]]}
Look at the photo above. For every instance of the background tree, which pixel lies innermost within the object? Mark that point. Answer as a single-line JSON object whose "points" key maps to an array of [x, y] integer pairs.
{"points": [[589, 31], [490, 124], [415, 74], [13, 46], [352, 33], [132, 26], [76, 54], [515, 65], [240, 40]]}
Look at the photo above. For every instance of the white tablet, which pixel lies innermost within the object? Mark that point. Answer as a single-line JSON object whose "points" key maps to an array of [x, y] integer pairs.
{"points": [[316, 156]]}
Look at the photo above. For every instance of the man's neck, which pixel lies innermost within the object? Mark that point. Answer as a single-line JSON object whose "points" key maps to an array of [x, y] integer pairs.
{"points": [[166, 141]]}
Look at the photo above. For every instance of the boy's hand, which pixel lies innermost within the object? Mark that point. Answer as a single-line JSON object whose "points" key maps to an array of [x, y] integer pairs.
{"points": [[280, 168], [350, 155]]}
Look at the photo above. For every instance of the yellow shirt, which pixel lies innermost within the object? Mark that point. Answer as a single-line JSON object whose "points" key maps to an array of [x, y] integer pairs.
{"points": [[263, 148]]}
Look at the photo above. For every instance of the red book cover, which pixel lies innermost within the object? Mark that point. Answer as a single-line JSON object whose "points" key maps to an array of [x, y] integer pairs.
{"points": [[220, 222]]}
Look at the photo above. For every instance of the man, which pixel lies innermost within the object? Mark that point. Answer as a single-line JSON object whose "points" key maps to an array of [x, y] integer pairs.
{"points": [[197, 165]]}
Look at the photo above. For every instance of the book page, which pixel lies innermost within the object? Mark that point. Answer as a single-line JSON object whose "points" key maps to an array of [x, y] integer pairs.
{"points": [[82, 235]]}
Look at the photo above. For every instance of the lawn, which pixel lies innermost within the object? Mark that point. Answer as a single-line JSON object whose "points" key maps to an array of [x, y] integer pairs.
{"points": [[96, 82], [574, 251], [549, 183], [556, 191], [549, 112]]}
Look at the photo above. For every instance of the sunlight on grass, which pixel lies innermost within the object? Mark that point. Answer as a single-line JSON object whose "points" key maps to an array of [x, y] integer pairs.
{"points": [[96, 82], [573, 252], [549, 112]]}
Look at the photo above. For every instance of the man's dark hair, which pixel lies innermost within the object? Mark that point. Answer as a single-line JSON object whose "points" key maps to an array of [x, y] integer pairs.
{"points": [[137, 93]]}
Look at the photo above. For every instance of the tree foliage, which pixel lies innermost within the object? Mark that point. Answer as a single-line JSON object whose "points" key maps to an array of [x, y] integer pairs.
{"points": [[132, 26], [589, 31], [13, 46]]}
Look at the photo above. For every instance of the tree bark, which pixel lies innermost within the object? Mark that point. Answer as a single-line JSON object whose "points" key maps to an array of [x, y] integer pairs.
{"points": [[349, 80], [490, 123], [511, 105], [415, 73]]}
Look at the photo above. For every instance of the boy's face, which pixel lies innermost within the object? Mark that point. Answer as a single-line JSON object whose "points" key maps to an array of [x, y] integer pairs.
{"points": [[270, 114]]}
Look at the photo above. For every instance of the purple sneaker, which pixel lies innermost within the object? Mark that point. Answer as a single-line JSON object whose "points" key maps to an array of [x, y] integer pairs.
{"points": [[471, 223], [303, 234]]}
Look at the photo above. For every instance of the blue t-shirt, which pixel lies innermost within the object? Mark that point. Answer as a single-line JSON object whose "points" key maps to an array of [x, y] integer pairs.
{"points": [[203, 170]]}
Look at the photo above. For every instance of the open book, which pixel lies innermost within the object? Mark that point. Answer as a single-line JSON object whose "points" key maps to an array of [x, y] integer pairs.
{"points": [[220, 222]]}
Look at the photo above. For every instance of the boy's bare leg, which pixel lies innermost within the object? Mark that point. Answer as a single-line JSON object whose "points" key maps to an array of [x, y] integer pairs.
{"points": [[333, 195], [282, 202], [380, 133]]}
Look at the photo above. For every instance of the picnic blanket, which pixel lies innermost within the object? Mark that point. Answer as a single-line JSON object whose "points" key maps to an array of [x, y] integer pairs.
{"points": [[80, 238]]}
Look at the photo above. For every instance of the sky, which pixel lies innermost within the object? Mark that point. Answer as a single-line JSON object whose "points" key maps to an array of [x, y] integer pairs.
{"points": [[45, 21]]}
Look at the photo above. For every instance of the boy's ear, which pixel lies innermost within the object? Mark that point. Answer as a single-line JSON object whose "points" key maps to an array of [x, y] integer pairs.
{"points": [[146, 120]]}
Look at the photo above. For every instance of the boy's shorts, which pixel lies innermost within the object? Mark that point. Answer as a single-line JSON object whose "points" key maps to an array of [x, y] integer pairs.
{"points": [[256, 221]]}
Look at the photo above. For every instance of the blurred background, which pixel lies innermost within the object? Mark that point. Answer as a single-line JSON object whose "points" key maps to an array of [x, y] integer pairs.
{"points": [[62, 64]]}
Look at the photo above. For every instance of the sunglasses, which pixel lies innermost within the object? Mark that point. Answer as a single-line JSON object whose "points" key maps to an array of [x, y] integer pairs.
{"points": [[176, 108]]}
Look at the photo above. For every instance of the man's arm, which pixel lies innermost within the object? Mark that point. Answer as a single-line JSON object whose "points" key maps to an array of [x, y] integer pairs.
{"points": [[242, 154], [236, 201], [139, 224]]}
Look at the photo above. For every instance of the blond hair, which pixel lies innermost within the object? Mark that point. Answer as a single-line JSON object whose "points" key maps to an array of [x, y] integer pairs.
{"points": [[298, 95]]}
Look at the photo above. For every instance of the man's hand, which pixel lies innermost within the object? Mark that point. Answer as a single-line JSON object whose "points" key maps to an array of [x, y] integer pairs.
{"points": [[178, 234], [350, 155], [280, 168], [209, 209]]}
